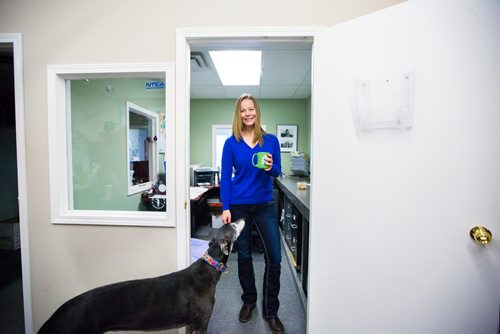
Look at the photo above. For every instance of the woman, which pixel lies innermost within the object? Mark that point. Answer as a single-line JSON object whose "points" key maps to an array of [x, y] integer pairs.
{"points": [[248, 195]]}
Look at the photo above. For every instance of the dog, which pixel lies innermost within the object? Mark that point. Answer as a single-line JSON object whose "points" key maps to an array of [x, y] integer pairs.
{"points": [[182, 298]]}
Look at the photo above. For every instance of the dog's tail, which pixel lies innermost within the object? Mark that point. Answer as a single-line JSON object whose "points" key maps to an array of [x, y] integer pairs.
{"points": [[53, 325]]}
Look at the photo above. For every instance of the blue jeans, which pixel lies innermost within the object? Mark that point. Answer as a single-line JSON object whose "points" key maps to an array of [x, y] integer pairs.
{"points": [[264, 218]]}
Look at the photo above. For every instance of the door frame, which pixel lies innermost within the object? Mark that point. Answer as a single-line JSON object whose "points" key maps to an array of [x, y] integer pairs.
{"points": [[16, 40], [184, 38]]}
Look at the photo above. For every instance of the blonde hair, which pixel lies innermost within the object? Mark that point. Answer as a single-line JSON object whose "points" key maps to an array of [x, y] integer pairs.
{"points": [[238, 123]]}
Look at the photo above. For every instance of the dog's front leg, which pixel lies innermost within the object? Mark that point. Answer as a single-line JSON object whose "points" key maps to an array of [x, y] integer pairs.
{"points": [[199, 327], [192, 330], [202, 330], [195, 331]]}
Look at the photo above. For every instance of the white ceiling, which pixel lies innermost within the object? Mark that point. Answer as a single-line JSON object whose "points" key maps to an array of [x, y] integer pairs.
{"points": [[286, 69]]}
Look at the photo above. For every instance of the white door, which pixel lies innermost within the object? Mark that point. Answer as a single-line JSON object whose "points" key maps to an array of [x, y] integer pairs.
{"points": [[391, 209]]}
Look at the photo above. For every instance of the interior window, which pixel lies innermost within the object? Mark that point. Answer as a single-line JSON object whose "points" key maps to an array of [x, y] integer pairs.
{"points": [[111, 140], [142, 158], [219, 135], [115, 144]]}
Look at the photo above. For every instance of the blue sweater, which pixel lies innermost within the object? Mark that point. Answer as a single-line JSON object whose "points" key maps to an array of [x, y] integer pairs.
{"points": [[250, 185]]}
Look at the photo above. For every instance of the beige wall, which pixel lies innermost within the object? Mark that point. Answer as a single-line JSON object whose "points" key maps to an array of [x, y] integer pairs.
{"points": [[66, 260]]}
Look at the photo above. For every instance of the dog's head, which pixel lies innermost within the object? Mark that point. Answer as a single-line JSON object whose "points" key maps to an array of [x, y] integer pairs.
{"points": [[226, 236]]}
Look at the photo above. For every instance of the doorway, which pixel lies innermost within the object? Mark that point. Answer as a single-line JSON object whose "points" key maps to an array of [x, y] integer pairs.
{"points": [[15, 284], [217, 108]]}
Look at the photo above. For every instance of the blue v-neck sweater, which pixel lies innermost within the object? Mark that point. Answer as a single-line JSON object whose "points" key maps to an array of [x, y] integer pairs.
{"points": [[250, 185]]}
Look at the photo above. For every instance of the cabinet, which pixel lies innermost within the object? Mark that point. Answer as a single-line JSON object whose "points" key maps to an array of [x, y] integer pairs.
{"points": [[294, 206]]}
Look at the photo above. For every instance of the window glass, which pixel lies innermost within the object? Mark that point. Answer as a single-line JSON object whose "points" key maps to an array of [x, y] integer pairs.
{"points": [[219, 135], [116, 144]]}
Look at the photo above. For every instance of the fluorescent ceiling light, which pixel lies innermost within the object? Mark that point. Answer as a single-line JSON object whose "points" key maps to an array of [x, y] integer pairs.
{"points": [[238, 67]]}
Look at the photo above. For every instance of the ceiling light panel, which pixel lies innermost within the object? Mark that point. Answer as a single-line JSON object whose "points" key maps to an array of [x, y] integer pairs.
{"points": [[238, 67]]}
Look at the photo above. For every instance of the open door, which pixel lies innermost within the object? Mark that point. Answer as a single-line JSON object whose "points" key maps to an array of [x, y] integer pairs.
{"points": [[393, 206], [11, 51]]}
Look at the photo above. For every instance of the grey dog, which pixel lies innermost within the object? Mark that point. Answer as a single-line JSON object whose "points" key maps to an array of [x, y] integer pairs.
{"points": [[182, 298]]}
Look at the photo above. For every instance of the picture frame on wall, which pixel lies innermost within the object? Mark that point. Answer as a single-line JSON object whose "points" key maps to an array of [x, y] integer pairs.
{"points": [[287, 137]]}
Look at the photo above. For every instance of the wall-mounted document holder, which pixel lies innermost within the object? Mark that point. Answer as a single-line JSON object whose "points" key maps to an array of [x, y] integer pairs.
{"points": [[385, 104]]}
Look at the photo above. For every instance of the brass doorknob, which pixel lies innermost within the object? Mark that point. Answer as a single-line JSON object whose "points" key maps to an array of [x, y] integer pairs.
{"points": [[481, 235]]}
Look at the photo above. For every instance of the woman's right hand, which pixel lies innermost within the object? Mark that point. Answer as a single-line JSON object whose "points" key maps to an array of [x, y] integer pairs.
{"points": [[226, 216]]}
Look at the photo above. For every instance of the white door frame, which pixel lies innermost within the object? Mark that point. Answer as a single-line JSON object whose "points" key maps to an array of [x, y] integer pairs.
{"points": [[185, 36], [16, 40]]}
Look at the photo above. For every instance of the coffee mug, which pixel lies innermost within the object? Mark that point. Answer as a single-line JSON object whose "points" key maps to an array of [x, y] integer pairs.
{"points": [[260, 160]]}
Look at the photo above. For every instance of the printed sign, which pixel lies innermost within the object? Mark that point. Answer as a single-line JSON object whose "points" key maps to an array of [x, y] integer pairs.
{"points": [[154, 85]]}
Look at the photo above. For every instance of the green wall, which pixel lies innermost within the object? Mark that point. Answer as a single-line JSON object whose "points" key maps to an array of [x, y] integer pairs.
{"points": [[208, 112], [99, 151], [99, 135]]}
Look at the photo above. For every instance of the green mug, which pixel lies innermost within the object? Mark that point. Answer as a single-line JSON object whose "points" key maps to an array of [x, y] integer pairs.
{"points": [[260, 160]]}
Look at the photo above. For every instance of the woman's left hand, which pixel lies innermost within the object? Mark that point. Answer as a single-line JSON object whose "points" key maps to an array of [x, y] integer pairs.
{"points": [[269, 162]]}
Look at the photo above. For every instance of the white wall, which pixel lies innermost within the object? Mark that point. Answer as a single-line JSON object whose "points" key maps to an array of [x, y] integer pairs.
{"points": [[392, 209], [66, 260]]}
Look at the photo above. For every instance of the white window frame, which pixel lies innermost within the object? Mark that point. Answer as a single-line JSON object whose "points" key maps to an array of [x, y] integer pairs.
{"points": [[61, 212], [216, 127], [214, 139], [153, 161]]}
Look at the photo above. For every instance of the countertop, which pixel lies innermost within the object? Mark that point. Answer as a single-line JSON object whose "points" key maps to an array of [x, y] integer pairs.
{"points": [[299, 198]]}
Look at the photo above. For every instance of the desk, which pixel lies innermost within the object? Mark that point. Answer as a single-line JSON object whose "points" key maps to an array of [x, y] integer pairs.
{"points": [[295, 205], [200, 211], [196, 192]]}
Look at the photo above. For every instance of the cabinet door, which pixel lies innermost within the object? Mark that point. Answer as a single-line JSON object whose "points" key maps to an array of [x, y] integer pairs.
{"points": [[288, 221], [295, 237]]}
